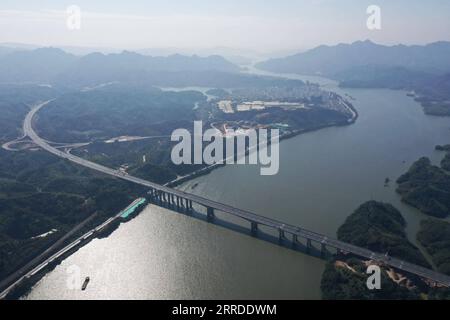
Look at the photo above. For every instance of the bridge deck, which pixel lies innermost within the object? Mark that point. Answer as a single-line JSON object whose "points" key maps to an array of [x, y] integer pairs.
{"points": [[249, 216]]}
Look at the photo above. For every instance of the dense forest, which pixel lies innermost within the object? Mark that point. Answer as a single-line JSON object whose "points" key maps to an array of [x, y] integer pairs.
{"points": [[434, 235], [378, 227], [426, 187], [40, 193]]}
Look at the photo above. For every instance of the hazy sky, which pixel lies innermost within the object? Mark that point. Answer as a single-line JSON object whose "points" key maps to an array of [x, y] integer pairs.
{"points": [[265, 26]]}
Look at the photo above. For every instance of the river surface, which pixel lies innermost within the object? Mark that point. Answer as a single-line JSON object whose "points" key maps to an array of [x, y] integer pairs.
{"points": [[324, 175]]}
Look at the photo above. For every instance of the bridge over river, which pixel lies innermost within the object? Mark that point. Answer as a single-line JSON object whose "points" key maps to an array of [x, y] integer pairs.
{"points": [[182, 200]]}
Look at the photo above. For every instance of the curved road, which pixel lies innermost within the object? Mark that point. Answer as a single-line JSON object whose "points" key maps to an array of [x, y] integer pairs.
{"points": [[249, 216]]}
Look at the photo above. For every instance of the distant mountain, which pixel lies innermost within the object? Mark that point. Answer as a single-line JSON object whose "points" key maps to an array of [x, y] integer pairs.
{"points": [[331, 60], [54, 65], [364, 64], [176, 62], [39, 65], [6, 50]]}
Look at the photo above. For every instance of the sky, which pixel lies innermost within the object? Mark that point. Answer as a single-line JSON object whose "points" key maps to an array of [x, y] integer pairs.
{"points": [[248, 25]]}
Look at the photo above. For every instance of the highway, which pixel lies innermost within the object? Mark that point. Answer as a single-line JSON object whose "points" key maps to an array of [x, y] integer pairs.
{"points": [[46, 257], [246, 215], [39, 262]]}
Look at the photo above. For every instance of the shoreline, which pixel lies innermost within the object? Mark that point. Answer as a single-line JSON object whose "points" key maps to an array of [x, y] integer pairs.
{"points": [[21, 289], [26, 283], [84, 234], [206, 170]]}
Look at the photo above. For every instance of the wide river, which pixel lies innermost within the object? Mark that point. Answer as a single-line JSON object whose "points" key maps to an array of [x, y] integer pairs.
{"points": [[324, 176]]}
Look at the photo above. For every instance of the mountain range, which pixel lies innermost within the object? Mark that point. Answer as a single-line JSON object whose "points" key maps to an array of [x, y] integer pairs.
{"points": [[364, 64], [332, 60], [50, 65]]}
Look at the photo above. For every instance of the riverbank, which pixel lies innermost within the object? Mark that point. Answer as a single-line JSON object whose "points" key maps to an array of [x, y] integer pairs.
{"points": [[204, 171], [325, 175], [19, 284]]}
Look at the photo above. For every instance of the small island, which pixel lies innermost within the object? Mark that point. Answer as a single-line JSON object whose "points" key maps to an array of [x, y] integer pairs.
{"points": [[379, 227], [426, 187]]}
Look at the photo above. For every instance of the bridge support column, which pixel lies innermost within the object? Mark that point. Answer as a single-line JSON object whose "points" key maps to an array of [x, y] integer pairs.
{"points": [[150, 193], [308, 245], [190, 205], [178, 202], [186, 206], [295, 240], [281, 235], [209, 213], [254, 228], [323, 250]]}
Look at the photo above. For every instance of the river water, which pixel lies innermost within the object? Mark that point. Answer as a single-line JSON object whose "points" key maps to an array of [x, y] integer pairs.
{"points": [[324, 176]]}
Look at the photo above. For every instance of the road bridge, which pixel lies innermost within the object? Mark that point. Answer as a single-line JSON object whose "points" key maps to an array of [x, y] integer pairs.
{"points": [[181, 199]]}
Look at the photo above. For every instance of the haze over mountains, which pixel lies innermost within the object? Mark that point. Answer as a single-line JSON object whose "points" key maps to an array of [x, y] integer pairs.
{"points": [[331, 60], [49, 65], [364, 64]]}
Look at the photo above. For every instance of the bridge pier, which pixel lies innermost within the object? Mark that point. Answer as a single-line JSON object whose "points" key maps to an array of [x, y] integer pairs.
{"points": [[254, 228], [186, 206], [178, 202], [209, 213], [150, 194], [323, 250], [281, 235], [295, 240], [308, 245]]}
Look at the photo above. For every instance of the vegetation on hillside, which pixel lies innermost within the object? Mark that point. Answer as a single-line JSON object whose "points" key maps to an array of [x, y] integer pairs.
{"points": [[378, 227], [426, 187], [40, 193], [434, 235]]}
